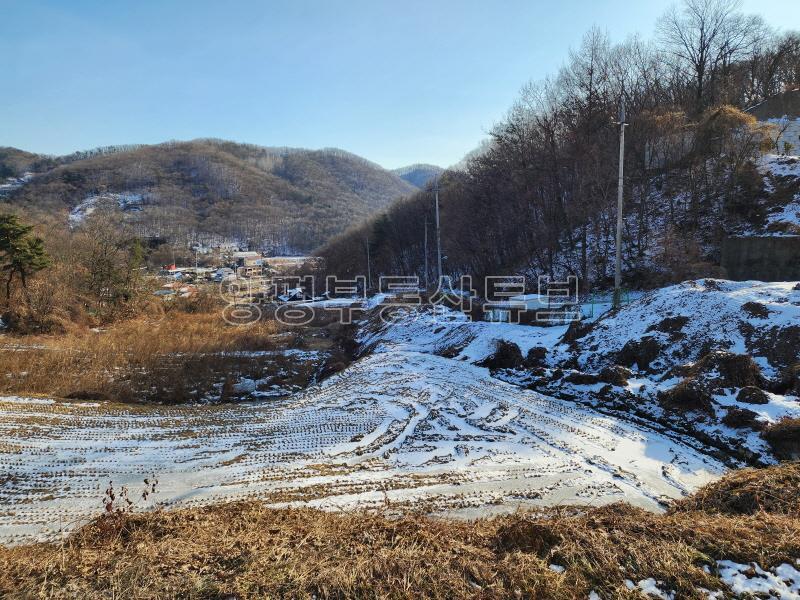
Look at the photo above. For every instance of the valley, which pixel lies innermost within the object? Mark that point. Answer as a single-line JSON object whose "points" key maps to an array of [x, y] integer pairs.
{"points": [[390, 301], [414, 423]]}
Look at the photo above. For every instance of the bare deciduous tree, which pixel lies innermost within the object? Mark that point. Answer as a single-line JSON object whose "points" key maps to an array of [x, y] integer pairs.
{"points": [[705, 37]]}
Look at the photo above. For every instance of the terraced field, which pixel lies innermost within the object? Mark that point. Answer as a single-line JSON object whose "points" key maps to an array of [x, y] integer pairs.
{"points": [[396, 428]]}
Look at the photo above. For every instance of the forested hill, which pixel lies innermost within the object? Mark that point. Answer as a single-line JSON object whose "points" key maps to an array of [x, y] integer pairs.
{"points": [[418, 175], [284, 199], [540, 197]]}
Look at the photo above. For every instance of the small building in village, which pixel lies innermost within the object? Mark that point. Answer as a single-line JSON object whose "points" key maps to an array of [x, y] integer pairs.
{"points": [[248, 264]]}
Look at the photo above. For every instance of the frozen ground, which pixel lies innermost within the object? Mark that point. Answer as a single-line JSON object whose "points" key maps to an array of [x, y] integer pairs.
{"points": [[395, 428], [683, 323], [785, 169], [127, 201], [12, 183], [744, 317], [416, 422]]}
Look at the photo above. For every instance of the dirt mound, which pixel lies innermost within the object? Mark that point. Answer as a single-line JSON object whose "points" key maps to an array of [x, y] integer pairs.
{"points": [[507, 355], [575, 331], [789, 382], [752, 395], [581, 378], [784, 438], [728, 370], [536, 357], [742, 418], [615, 375], [679, 324], [688, 396], [672, 325], [748, 492], [640, 352], [756, 309], [778, 344]]}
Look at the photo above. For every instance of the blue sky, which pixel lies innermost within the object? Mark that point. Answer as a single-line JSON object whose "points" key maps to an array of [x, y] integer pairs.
{"points": [[396, 82]]}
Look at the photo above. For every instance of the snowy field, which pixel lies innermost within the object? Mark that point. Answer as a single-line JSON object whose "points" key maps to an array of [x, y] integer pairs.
{"points": [[396, 428], [415, 423]]}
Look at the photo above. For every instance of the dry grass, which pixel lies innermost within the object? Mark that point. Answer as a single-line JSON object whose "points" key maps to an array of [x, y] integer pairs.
{"points": [[245, 550], [750, 491], [172, 359]]}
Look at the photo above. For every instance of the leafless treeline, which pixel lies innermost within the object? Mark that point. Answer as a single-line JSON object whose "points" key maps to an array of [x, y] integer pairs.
{"points": [[540, 197]]}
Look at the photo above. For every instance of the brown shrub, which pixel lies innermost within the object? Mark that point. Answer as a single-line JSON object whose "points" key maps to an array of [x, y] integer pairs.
{"points": [[176, 359], [247, 550], [204, 301]]}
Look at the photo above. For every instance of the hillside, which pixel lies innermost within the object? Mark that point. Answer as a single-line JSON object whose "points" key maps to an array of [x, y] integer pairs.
{"points": [[540, 197], [714, 360], [14, 163], [288, 200], [418, 175]]}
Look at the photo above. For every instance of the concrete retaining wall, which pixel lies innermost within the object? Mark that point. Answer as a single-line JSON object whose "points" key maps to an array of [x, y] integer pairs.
{"points": [[765, 258]]}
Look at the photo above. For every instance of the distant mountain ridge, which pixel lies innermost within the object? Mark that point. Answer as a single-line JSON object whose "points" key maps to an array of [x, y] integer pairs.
{"points": [[418, 175], [280, 198]]}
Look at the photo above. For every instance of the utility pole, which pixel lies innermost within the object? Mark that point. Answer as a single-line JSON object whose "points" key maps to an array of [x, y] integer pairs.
{"points": [[438, 232], [369, 271], [425, 251], [618, 262]]}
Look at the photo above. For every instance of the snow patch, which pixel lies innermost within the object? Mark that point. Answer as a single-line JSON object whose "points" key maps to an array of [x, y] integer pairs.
{"points": [[782, 582]]}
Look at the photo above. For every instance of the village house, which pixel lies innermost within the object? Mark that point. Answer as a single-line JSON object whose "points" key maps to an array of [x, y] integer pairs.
{"points": [[248, 264]]}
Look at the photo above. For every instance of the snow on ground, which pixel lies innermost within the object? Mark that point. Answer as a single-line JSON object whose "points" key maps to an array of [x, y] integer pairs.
{"points": [[780, 165], [396, 427], [453, 334], [687, 320], [781, 583], [784, 168], [12, 183], [715, 314], [128, 201]]}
